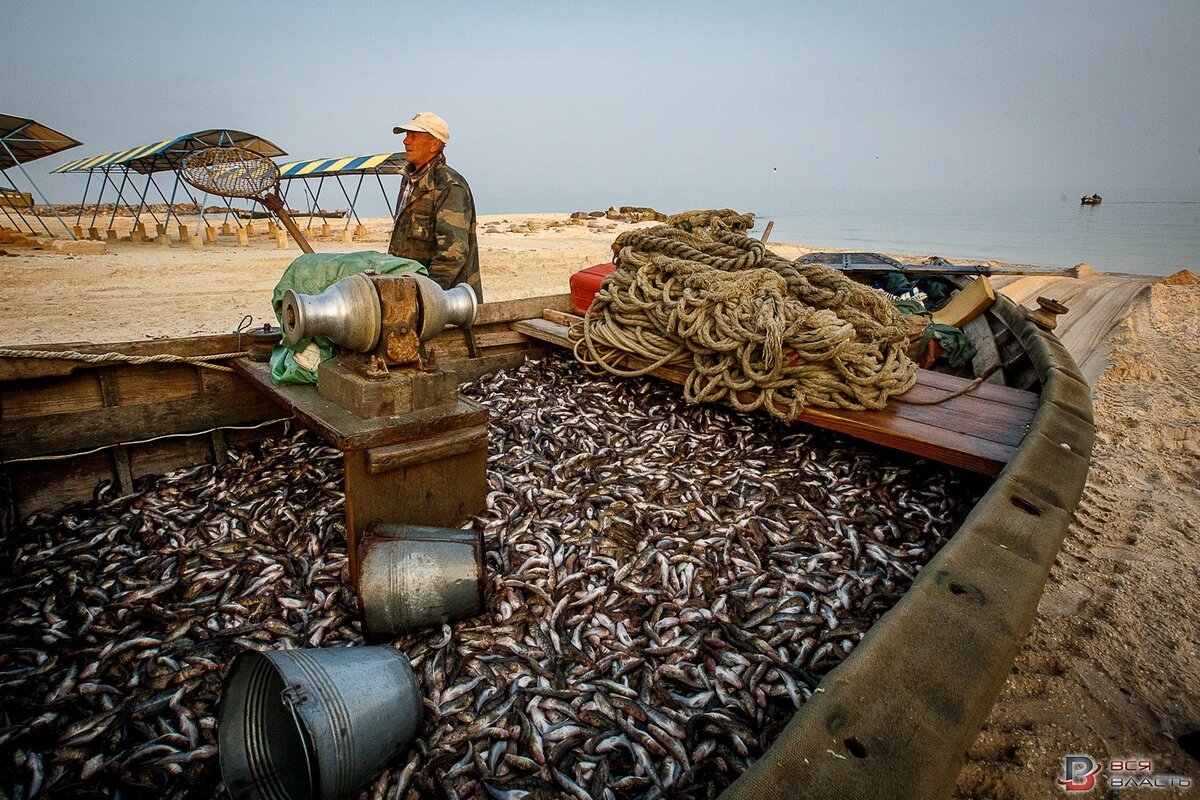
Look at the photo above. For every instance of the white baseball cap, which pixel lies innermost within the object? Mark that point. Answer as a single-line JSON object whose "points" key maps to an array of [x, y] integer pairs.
{"points": [[427, 122]]}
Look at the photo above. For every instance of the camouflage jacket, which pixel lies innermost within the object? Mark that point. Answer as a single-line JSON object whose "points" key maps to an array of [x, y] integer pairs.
{"points": [[436, 226]]}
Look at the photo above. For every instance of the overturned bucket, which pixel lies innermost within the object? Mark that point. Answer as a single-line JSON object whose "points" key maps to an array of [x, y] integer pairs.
{"points": [[410, 576], [314, 723]]}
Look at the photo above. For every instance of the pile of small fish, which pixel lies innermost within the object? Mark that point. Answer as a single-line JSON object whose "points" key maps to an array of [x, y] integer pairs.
{"points": [[667, 585], [118, 618]]}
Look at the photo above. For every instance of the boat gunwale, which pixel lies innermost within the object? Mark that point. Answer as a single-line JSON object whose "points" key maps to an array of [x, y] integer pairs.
{"points": [[896, 718]]}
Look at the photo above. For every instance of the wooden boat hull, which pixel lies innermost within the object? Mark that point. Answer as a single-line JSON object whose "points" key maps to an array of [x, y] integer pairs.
{"points": [[894, 720]]}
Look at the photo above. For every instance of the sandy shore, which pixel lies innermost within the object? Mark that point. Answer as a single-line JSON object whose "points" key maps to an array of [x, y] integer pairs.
{"points": [[148, 291], [1112, 666]]}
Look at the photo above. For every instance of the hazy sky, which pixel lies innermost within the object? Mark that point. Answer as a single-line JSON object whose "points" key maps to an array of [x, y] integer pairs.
{"points": [[558, 106]]}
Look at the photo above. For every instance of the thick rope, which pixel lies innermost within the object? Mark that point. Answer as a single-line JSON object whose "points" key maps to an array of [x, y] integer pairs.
{"points": [[100, 358], [742, 319]]}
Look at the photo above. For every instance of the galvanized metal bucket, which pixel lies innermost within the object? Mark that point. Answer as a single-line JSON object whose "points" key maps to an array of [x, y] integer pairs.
{"points": [[410, 576], [301, 724]]}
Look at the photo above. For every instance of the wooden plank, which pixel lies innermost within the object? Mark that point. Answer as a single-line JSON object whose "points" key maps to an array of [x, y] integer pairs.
{"points": [[917, 269], [560, 318], [1097, 304], [108, 388], [967, 304], [451, 345], [43, 396], [218, 448], [155, 458], [50, 485], [347, 432], [979, 432], [121, 468], [395, 456], [1004, 395], [512, 310], [139, 384], [76, 431], [995, 422]]}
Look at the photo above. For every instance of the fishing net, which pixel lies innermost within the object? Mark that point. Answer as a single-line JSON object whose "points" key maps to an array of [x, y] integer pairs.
{"points": [[237, 172], [230, 172]]}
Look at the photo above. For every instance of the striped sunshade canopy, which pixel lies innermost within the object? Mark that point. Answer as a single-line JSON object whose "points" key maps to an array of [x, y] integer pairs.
{"points": [[26, 140], [385, 163], [169, 153]]}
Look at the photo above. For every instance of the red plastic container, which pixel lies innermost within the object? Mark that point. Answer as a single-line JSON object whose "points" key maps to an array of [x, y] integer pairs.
{"points": [[585, 284]]}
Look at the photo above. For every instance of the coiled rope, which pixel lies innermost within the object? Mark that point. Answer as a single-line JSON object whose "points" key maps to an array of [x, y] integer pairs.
{"points": [[100, 358], [740, 318]]}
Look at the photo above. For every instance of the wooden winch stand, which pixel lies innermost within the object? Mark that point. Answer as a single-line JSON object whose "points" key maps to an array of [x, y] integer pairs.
{"points": [[425, 467]]}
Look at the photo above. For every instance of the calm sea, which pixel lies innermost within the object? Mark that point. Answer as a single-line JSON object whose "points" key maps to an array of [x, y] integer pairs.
{"points": [[1143, 231]]}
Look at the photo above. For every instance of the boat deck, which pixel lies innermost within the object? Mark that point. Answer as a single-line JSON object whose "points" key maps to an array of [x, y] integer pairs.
{"points": [[1097, 304]]}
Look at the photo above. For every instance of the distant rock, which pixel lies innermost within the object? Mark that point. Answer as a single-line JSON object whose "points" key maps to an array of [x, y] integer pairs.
{"points": [[8, 236], [1084, 271], [78, 248], [1185, 277]]}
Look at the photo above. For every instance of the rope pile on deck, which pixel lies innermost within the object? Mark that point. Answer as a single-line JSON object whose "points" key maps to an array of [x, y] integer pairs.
{"points": [[699, 294]]}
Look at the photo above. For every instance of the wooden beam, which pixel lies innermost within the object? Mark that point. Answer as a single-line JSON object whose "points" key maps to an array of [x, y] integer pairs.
{"points": [[967, 304], [395, 456], [978, 431], [512, 310], [344, 430]]}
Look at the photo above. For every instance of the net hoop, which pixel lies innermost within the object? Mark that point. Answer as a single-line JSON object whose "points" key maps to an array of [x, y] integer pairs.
{"points": [[230, 172]]}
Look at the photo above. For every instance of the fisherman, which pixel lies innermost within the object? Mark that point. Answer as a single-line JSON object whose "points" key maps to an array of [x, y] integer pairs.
{"points": [[435, 213]]}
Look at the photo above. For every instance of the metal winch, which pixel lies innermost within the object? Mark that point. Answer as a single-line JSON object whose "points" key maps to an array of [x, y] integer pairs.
{"points": [[382, 323]]}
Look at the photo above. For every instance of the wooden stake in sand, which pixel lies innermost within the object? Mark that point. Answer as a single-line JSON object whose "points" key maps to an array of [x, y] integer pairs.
{"points": [[162, 240], [272, 228], [250, 228], [346, 236], [281, 240], [111, 235], [78, 231], [94, 234], [183, 233], [210, 233], [226, 230], [360, 232], [243, 239], [324, 230], [196, 242], [160, 228]]}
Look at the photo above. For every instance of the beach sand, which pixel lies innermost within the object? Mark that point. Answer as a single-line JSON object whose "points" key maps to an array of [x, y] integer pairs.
{"points": [[1112, 666]]}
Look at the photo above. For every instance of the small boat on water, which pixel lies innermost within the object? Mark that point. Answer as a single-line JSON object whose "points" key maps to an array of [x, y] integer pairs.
{"points": [[893, 720], [1091, 200]]}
